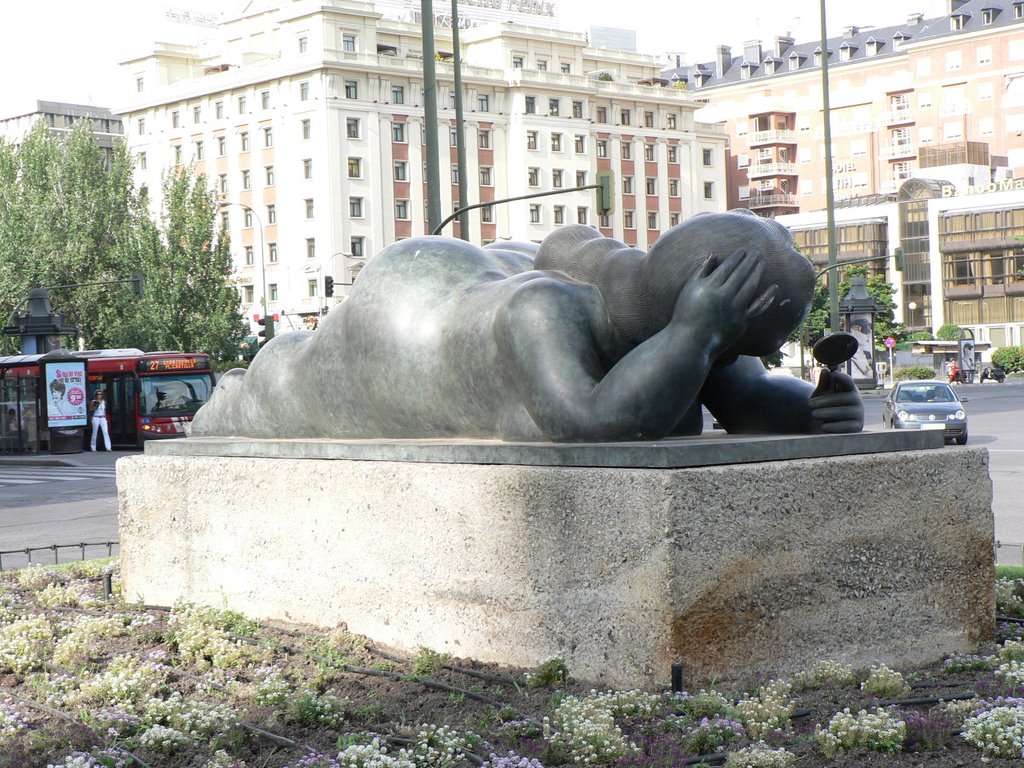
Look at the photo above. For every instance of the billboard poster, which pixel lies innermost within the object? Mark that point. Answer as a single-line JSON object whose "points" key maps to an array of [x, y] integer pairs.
{"points": [[65, 388]]}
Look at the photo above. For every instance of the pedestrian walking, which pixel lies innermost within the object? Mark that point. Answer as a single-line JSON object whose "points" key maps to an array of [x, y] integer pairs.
{"points": [[98, 406]]}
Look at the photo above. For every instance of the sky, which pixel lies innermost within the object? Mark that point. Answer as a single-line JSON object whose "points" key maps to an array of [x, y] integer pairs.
{"points": [[69, 50]]}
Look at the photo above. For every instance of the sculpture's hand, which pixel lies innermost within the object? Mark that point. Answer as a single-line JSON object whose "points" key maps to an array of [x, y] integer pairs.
{"points": [[722, 297], [836, 405]]}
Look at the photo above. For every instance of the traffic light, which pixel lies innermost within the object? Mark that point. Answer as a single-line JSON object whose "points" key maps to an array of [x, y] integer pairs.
{"points": [[266, 332], [605, 192], [898, 258], [137, 282], [328, 285]]}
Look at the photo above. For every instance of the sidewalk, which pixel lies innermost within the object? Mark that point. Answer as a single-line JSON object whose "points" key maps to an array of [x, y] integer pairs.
{"points": [[85, 459]]}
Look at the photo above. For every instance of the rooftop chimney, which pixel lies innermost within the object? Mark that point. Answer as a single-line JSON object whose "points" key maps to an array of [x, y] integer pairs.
{"points": [[752, 51], [851, 31], [723, 58], [915, 18], [783, 44]]}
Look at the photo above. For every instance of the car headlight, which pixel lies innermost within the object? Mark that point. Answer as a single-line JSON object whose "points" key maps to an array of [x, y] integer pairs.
{"points": [[960, 415], [904, 416]]}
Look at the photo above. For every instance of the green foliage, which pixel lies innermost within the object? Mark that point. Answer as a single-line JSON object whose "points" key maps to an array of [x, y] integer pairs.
{"points": [[913, 372], [428, 662], [817, 322], [552, 672], [949, 332], [921, 336], [70, 214], [1010, 359]]}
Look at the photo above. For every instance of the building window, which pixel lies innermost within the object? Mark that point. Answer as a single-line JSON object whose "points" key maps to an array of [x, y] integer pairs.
{"points": [[604, 220], [649, 152], [272, 253], [398, 94], [142, 161], [249, 257], [271, 214], [670, 122], [652, 219], [241, 105], [401, 209], [627, 185], [268, 137], [487, 214], [401, 170], [141, 125], [355, 245], [531, 105], [531, 139], [311, 288], [579, 144], [624, 117], [309, 207], [303, 44], [483, 103], [627, 150], [709, 157], [628, 220], [709, 190], [582, 215], [222, 183], [307, 168], [247, 294], [398, 133], [310, 247], [246, 180], [355, 168], [556, 142], [455, 173], [673, 187], [602, 114], [303, 91], [673, 153], [272, 290], [483, 139], [348, 43], [534, 213], [199, 150], [577, 109], [218, 109], [559, 211], [140, 84], [602, 148], [352, 127], [566, 68], [351, 89], [533, 177], [177, 154], [247, 218], [673, 219], [517, 62], [556, 178], [355, 207], [175, 119], [268, 175], [453, 137], [648, 119], [581, 178], [542, 65], [265, 99], [222, 146], [651, 185], [486, 175], [553, 107]]}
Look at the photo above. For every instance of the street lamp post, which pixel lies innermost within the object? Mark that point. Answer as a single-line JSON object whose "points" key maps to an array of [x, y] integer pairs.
{"points": [[263, 266], [911, 305]]}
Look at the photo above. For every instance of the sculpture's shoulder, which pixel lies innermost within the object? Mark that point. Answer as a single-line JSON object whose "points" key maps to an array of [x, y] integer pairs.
{"points": [[441, 261]]}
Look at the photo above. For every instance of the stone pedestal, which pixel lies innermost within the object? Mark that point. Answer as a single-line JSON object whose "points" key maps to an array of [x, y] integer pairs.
{"points": [[736, 570]]}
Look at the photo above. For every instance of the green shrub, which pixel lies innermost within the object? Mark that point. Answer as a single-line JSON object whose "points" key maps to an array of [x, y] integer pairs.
{"points": [[949, 332], [1009, 358], [914, 372], [921, 336]]}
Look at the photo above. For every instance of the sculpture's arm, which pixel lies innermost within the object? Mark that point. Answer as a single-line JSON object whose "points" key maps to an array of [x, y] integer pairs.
{"points": [[564, 357], [745, 399]]}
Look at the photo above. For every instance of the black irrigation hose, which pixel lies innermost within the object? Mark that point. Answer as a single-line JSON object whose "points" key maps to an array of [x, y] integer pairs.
{"points": [[65, 716], [1010, 619], [402, 742], [940, 684], [715, 759], [454, 668]]}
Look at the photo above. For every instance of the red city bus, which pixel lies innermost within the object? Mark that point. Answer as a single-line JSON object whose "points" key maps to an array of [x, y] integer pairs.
{"points": [[150, 395]]}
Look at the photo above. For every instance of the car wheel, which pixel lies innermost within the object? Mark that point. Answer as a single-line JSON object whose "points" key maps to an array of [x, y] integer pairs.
{"points": [[962, 440]]}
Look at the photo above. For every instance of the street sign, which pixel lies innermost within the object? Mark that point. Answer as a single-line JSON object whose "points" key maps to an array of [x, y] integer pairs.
{"points": [[889, 342]]}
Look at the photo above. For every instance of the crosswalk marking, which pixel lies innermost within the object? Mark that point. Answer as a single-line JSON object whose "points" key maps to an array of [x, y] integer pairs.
{"points": [[11, 476]]}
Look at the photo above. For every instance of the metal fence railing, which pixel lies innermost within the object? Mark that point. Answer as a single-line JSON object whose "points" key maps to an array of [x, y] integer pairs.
{"points": [[19, 558]]}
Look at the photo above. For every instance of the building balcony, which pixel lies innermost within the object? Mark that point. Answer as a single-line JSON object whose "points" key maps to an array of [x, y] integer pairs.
{"points": [[896, 117], [898, 151], [760, 138], [775, 200], [760, 170]]}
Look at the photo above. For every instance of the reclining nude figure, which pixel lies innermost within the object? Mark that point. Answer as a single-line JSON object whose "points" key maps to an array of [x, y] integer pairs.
{"points": [[579, 339]]}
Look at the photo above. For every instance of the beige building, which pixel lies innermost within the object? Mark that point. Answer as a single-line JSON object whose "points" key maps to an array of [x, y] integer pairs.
{"points": [[308, 119]]}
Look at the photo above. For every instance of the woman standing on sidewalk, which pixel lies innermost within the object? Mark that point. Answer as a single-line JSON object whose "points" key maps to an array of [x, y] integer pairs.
{"points": [[98, 406]]}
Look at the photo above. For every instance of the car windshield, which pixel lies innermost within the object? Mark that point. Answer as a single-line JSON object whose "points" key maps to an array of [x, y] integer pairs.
{"points": [[174, 394], [925, 393]]}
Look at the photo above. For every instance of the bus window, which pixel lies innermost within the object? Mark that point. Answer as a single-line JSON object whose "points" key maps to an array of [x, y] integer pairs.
{"points": [[174, 395]]}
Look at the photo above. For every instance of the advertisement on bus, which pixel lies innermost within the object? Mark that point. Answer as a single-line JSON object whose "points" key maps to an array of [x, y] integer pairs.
{"points": [[65, 385]]}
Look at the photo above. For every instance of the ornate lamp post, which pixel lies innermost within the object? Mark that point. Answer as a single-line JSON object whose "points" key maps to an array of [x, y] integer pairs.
{"points": [[858, 309]]}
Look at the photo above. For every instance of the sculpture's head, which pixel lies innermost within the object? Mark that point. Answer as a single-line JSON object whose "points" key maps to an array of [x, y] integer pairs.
{"points": [[682, 250]]}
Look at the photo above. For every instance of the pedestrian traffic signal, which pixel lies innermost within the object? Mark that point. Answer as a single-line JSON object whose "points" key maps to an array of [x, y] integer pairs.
{"points": [[266, 332], [605, 192], [328, 285]]}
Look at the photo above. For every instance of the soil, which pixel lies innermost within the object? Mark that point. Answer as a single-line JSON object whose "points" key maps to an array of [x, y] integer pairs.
{"points": [[393, 695]]}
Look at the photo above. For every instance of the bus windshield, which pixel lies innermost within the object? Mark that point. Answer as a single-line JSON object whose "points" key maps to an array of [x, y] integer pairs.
{"points": [[174, 394]]}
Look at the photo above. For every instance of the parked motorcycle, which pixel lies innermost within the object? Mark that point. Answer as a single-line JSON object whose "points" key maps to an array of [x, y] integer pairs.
{"points": [[998, 374]]}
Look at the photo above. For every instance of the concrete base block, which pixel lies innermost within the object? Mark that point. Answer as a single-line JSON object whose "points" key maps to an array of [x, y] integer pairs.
{"points": [[735, 571]]}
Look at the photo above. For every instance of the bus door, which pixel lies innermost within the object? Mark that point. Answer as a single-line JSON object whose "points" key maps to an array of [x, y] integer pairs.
{"points": [[120, 396]]}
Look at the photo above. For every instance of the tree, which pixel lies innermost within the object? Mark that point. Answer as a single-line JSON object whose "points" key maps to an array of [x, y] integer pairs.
{"points": [[878, 288], [949, 332]]}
